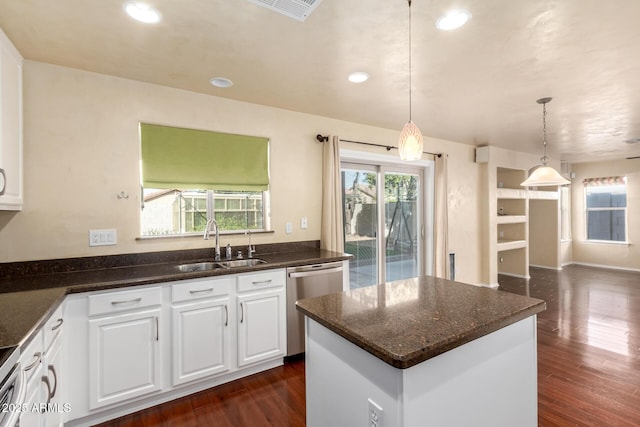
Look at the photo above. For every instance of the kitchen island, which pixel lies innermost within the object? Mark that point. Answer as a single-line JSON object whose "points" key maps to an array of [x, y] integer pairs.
{"points": [[421, 352]]}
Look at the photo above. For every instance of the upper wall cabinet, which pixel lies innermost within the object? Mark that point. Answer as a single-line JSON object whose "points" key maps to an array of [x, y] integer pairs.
{"points": [[11, 191]]}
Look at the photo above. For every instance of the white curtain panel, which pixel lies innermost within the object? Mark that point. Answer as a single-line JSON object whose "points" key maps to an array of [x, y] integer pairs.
{"points": [[331, 226], [441, 221]]}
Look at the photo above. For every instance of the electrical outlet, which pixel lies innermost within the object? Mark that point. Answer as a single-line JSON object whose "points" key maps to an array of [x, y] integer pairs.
{"points": [[376, 415], [288, 228], [501, 234], [105, 237], [304, 224]]}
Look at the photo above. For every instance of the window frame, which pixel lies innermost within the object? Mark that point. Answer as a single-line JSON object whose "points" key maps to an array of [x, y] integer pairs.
{"points": [[607, 209], [210, 211]]}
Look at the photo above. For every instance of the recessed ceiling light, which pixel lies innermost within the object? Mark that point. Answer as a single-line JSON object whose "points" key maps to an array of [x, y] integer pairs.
{"points": [[358, 77], [142, 12], [453, 19], [221, 82]]}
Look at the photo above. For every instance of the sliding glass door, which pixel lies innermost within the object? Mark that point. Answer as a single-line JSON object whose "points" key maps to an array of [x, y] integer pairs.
{"points": [[383, 218]]}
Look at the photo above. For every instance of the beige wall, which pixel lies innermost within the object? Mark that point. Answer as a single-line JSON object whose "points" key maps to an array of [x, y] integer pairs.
{"points": [[543, 238], [81, 150], [604, 254]]}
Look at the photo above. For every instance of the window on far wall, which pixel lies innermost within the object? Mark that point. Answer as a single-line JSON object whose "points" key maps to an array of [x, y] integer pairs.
{"points": [[606, 208], [189, 176], [176, 212], [565, 213]]}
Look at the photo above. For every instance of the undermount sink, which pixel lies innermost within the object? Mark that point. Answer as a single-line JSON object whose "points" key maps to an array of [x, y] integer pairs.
{"points": [[199, 266], [212, 265], [249, 262]]}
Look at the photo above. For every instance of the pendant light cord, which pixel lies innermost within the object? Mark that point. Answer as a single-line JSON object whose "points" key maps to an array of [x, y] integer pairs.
{"points": [[409, 59]]}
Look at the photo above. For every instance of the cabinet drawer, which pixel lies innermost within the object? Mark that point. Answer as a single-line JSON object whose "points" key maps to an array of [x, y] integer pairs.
{"points": [[261, 280], [200, 288], [114, 302], [53, 326]]}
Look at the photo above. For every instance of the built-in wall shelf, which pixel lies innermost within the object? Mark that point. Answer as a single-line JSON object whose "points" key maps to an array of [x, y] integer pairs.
{"points": [[543, 195], [511, 219], [511, 193], [508, 245]]}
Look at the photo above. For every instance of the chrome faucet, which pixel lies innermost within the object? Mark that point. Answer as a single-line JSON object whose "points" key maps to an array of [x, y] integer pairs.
{"points": [[251, 249], [207, 231]]}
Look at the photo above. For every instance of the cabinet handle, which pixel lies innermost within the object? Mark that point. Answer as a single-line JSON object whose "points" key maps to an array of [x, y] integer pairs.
{"points": [[157, 328], [35, 362], [57, 325], [45, 379], [226, 315], [127, 301], [4, 182], [200, 291], [55, 384], [241, 313], [262, 282]]}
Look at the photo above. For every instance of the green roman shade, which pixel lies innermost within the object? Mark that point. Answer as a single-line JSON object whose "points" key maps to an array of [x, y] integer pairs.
{"points": [[195, 159]]}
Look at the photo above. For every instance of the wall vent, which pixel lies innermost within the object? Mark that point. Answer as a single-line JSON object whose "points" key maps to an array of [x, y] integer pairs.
{"points": [[297, 9]]}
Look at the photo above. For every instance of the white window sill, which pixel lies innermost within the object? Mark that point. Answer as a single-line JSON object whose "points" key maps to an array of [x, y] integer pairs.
{"points": [[201, 235], [607, 242]]}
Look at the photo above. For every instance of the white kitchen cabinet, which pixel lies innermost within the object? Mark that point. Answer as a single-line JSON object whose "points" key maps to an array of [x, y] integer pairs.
{"points": [[261, 317], [52, 377], [200, 328], [31, 361], [124, 352], [11, 181]]}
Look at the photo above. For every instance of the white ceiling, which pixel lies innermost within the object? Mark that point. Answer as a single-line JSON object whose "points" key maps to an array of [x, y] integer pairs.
{"points": [[477, 85]]}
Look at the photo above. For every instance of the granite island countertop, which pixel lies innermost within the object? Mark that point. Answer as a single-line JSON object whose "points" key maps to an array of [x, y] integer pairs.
{"points": [[27, 298], [409, 321]]}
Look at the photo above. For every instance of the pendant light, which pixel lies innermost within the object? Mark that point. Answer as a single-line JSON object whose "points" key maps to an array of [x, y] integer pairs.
{"points": [[410, 143], [544, 175]]}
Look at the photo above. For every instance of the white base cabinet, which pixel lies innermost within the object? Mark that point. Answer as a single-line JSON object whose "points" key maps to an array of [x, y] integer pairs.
{"points": [[124, 357], [259, 330], [135, 348], [202, 325]]}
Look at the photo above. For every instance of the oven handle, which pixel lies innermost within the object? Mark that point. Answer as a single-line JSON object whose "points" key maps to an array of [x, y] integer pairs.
{"points": [[315, 272], [19, 396]]}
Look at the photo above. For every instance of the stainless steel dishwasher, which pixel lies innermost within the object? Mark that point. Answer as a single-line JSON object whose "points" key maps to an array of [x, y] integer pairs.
{"points": [[305, 282]]}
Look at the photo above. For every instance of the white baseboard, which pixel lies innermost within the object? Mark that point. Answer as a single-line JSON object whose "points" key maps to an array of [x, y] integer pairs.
{"points": [[546, 267], [610, 267], [488, 285], [516, 275]]}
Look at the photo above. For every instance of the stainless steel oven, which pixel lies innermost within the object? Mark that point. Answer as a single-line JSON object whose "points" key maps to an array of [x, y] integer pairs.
{"points": [[12, 387], [305, 282]]}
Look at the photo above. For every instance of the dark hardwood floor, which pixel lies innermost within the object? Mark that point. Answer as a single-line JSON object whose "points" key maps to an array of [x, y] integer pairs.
{"points": [[588, 362]]}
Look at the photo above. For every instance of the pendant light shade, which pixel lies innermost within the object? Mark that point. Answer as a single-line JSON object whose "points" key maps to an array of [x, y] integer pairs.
{"points": [[410, 143], [544, 175]]}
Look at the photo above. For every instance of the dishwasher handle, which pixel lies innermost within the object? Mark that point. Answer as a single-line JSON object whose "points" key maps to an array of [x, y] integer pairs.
{"points": [[315, 272]]}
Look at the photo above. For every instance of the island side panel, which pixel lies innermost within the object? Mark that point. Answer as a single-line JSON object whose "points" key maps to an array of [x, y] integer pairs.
{"points": [[491, 381], [341, 377]]}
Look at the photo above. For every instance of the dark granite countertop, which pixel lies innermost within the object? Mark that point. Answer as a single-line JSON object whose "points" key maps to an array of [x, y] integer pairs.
{"points": [[407, 322], [27, 298]]}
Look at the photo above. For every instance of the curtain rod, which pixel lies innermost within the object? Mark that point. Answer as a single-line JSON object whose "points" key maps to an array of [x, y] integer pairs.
{"points": [[321, 138]]}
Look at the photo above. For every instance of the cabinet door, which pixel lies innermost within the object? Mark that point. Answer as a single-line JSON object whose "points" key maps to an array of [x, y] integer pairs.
{"points": [[124, 357], [36, 391], [52, 377], [200, 340], [261, 327], [10, 126]]}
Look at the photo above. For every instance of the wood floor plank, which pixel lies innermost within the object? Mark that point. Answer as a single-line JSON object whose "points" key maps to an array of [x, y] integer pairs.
{"points": [[588, 363]]}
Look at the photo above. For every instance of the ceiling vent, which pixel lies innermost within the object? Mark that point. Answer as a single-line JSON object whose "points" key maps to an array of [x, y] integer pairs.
{"points": [[297, 9]]}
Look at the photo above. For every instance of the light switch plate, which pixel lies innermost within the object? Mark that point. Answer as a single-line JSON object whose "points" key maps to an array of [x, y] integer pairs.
{"points": [[288, 228], [304, 224], [106, 237]]}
